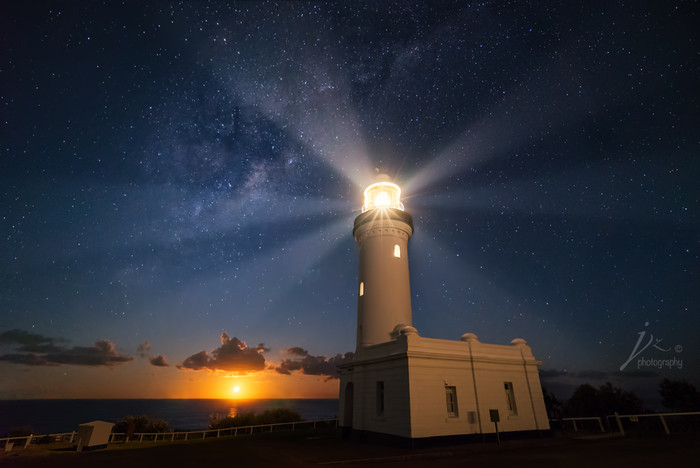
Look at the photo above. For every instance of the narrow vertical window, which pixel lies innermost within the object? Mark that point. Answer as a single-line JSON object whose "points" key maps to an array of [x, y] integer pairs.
{"points": [[380, 398], [362, 288], [451, 398], [397, 251], [510, 399]]}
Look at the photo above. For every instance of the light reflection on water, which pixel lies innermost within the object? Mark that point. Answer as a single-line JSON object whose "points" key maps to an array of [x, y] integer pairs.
{"points": [[231, 412]]}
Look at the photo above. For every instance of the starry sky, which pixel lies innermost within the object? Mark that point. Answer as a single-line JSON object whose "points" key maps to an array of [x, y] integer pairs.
{"points": [[178, 184]]}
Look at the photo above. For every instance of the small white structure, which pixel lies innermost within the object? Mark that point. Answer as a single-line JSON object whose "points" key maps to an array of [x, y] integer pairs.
{"points": [[404, 386], [94, 435]]}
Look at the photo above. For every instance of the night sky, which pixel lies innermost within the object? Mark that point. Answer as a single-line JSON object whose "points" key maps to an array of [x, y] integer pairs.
{"points": [[178, 184]]}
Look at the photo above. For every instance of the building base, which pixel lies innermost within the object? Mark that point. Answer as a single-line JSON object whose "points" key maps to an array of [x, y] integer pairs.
{"points": [[437, 441], [420, 389]]}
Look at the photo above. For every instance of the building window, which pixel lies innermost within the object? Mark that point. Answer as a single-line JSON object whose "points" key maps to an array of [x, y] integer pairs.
{"points": [[451, 396], [380, 398], [510, 399], [362, 288], [397, 251]]}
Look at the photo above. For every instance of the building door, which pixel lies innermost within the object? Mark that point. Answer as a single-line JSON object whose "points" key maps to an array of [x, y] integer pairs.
{"points": [[348, 409]]}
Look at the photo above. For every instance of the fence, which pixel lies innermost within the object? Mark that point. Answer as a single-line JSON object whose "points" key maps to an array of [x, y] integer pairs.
{"points": [[589, 418], [663, 422], [639, 423], [8, 443]]}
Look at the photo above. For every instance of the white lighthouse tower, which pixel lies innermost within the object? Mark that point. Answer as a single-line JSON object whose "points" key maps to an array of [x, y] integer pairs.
{"points": [[384, 293], [405, 387]]}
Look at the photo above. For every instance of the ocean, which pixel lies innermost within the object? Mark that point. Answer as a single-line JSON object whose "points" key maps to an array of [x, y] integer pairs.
{"points": [[55, 416]]}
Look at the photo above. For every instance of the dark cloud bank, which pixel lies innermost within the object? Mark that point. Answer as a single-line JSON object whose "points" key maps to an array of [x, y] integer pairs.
{"points": [[37, 350], [235, 355], [311, 365]]}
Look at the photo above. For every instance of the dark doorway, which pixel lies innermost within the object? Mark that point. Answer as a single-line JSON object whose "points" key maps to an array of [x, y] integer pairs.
{"points": [[348, 409]]}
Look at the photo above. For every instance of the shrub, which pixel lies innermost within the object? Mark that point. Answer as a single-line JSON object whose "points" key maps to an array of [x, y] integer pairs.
{"points": [[243, 419], [273, 416], [279, 415], [138, 424]]}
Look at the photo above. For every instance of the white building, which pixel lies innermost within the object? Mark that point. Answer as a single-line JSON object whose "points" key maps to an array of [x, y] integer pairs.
{"points": [[404, 386]]}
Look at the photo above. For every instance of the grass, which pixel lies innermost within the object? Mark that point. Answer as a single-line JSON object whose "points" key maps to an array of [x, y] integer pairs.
{"points": [[324, 448]]}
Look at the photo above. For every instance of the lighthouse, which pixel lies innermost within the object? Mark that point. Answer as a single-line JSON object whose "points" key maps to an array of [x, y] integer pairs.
{"points": [[382, 232], [403, 387]]}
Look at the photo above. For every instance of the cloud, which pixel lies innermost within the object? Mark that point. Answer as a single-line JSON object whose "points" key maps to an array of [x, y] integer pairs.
{"points": [[158, 361], [30, 342], [26, 359], [233, 355], [103, 353], [296, 350], [601, 375], [549, 373], [311, 365], [592, 374], [144, 348], [562, 383], [39, 350]]}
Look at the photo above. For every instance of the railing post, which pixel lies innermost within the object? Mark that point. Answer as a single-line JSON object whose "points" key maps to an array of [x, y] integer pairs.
{"points": [[600, 423], [663, 421], [29, 440], [573, 420], [172, 437], [619, 424]]}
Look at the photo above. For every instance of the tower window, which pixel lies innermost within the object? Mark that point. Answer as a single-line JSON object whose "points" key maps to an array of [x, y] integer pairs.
{"points": [[362, 288], [397, 251], [510, 399], [380, 398], [451, 397]]}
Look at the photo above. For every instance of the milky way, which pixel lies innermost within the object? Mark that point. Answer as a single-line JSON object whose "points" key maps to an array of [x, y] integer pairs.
{"points": [[170, 172]]}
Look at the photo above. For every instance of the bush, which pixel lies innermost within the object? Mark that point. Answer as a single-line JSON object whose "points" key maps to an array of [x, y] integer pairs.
{"points": [[279, 415], [273, 416], [138, 424]]}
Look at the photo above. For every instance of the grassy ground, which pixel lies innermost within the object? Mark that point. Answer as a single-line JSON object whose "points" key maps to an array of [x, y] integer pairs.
{"points": [[324, 448]]}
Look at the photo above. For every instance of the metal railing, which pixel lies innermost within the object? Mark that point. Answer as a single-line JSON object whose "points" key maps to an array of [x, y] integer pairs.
{"points": [[635, 418], [8, 443], [618, 419], [587, 418]]}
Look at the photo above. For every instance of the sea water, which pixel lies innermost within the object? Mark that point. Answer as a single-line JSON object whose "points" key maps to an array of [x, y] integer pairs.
{"points": [[56, 416]]}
